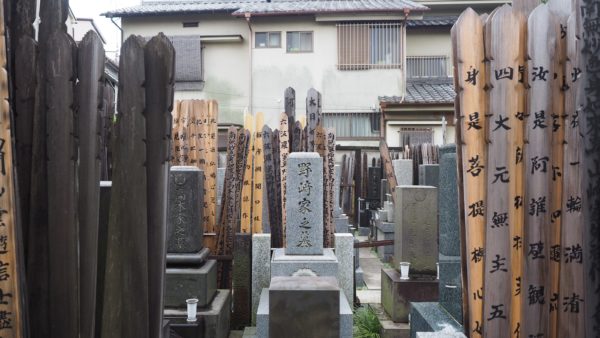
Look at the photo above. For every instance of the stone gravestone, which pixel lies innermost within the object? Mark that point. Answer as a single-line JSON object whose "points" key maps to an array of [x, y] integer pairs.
{"points": [[189, 273], [429, 174], [340, 219], [404, 171], [416, 228], [304, 210], [415, 242]]}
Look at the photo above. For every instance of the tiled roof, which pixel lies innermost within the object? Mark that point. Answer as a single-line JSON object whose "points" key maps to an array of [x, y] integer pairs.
{"points": [[424, 91], [433, 21], [262, 7]]}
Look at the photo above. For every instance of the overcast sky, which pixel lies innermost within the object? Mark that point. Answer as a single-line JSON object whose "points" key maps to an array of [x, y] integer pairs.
{"points": [[93, 9]]}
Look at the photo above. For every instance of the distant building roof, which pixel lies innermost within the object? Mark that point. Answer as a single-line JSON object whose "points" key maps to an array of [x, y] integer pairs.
{"points": [[262, 7], [433, 21], [424, 91]]}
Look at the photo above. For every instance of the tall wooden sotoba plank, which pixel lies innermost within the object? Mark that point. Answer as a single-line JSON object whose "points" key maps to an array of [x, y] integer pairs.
{"points": [[284, 152], [297, 139], [320, 140], [329, 188], [271, 185], [525, 7], [388, 170], [278, 227], [290, 111], [505, 41], [159, 57], [228, 211], [62, 187], [468, 39], [571, 300], [313, 117], [259, 176], [90, 66], [542, 37], [11, 293], [194, 130], [175, 133], [562, 10], [183, 150], [246, 207], [210, 162], [125, 306]]}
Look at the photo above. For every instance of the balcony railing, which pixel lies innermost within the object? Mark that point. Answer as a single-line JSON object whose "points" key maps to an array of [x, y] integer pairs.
{"points": [[351, 125], [428, 66]]}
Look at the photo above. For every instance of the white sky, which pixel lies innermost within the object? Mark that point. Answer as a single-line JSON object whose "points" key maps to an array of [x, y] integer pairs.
{"points": [[93, 9]]}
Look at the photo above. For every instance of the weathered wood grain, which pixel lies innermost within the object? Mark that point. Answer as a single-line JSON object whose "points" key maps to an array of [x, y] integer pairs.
{"points": [[468, 42], [246, 207], [210, 176], [329, 188], [90, 87], [11, 295], [271, 184], [63, 224], [542, 38], [290, 111], [313, 117], [259, 176], [159, 58], [126, 312], [284, 152], [277, 229]]}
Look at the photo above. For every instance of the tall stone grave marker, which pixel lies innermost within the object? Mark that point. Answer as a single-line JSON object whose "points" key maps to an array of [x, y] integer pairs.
{"points": [[404, 171], [304, 230]]}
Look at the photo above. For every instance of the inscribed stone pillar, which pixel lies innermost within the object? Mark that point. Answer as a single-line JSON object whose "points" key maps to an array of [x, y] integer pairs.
{"points": [[416, 239], [186, 196], [304, 209], [448, 207]]}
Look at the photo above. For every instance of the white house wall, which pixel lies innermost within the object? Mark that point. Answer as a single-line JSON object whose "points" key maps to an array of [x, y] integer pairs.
{"points": [[433, 42], [225, 66]]}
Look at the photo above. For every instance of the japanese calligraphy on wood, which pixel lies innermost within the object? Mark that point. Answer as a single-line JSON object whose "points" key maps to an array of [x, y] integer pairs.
{"points": [[259, 176]]}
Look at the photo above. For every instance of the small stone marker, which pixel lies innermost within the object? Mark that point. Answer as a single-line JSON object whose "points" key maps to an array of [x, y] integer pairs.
{"points": [[185, 212], [404, 171], [304, 230], [416, 219], [429, 174]]}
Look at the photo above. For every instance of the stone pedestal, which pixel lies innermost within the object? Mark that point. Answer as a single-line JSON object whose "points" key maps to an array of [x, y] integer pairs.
{"points": [[261, 268], [186, 283], [317, 265], [343, 318], [344, 251], [431, 317], [341, 224], [397, 294], [429, 174], [212, 321], [385, 231]]}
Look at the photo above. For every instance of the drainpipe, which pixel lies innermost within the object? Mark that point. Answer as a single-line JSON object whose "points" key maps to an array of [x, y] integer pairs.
{"points": [[250, 41], [406, 13]]}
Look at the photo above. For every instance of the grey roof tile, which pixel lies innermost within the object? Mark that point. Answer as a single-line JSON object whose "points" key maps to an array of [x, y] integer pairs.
{"points": [[425, 91], [262, 7], [432, 21]]}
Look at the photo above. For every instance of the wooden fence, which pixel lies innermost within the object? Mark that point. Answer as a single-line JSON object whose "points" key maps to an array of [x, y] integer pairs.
{"points": [[518, 75]]}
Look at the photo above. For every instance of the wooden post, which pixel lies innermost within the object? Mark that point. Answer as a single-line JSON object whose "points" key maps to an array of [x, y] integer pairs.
{"points": [[247, 179], [329, 188], [259, 176], [89, 92], [290, 111], [159, 57], [542, 37], [210, 174], [313, 117], [126, 307], [11, 293], [468, 37], [388, 168], [284, 152], [504, 239]]}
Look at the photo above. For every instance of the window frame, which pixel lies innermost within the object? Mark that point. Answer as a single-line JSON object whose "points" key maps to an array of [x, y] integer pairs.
{"points": [[312, 42], [268, 39]]}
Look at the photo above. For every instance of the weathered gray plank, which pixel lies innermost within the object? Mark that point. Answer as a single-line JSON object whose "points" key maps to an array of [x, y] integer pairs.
{"points": [[90, 67], [542, 37], [159, 57], [313, 117], [62, 187], [290, 111], [126, 287]]}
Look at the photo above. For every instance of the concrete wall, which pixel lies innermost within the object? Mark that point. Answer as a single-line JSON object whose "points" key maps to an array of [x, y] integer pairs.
{"points": [[428, 42], [226, 64], [227, 67]]}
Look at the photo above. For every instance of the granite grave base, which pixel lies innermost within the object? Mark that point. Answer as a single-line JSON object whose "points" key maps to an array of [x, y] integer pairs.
{"points": [[186, 283], [431, 317], [397, 294], [213, 321], [263, 317], [364, 231], [451, 286]]}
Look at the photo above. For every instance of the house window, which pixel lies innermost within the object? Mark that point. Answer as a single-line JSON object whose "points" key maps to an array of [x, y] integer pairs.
{"points": [[370, 45], [353, 125], [299, 42], [415, 135], [427, 66], [267, 40]]}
